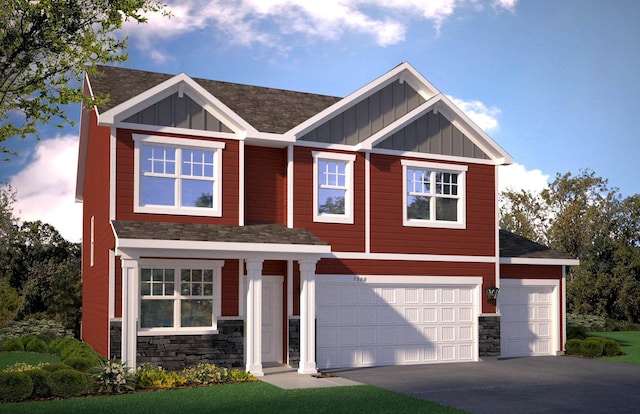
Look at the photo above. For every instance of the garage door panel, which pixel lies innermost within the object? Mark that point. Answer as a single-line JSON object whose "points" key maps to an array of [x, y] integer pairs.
{"points": [[404, 325]]}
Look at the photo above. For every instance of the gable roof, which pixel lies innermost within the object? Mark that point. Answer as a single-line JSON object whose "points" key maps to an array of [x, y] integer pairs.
{"points": [[521, 249], [267, 110]]}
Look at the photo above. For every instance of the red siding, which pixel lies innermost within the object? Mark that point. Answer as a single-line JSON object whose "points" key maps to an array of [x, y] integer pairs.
{"points": [[230, 287], [125, 183], [342, 237], [95, 279], [388, 235], [265, 185]]}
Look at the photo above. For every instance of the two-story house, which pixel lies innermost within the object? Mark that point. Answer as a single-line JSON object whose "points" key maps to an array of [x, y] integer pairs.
{"points": [[244, 225]]}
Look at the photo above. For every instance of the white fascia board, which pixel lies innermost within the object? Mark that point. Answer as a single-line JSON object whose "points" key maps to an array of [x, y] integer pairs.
{"points": [[409, 257], [181, 82], [539, 261], [402, 280], [229, 247], [267, 139], [461, 121], [404, 71], [83, 145], [397, 125]]}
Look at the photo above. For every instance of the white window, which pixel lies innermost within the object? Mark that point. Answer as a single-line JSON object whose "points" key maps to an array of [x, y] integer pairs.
{"points": [[177, 176], [333, 187], [178, 296], [434, 194]]}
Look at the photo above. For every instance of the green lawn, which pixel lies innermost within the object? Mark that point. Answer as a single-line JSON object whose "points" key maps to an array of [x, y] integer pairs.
{"points": [[7, 359], [257, 397], [629, 344]]}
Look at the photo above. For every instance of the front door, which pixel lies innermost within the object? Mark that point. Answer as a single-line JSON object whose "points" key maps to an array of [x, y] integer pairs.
{"points": [[272, 319]]}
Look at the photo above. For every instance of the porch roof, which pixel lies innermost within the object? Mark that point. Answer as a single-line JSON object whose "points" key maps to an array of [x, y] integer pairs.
{"points": [[515, 248]]}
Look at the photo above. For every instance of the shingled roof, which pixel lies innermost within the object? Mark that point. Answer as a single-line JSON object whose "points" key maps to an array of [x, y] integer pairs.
{"points": [[514, 246], [266, 109], [255, 233]]}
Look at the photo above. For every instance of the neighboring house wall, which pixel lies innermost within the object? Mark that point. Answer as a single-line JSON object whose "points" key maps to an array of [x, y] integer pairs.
{"points": [[96, 242]]}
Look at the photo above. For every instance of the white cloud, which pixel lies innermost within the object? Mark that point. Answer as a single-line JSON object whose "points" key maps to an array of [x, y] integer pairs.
{"points": [[485, 117], [516, 177], [46, 187], [276, 23]]}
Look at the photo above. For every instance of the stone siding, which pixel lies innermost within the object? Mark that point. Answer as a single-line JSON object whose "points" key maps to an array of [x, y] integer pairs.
{"points": [[294, 342], [489, 335], [115, 337]]}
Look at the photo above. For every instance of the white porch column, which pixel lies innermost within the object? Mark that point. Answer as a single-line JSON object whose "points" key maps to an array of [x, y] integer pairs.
{"points": [[129, 311], [308, 317], [253, 349]]}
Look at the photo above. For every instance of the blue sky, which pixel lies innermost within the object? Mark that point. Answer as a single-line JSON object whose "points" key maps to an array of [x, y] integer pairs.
{"points": [[554, 82]]}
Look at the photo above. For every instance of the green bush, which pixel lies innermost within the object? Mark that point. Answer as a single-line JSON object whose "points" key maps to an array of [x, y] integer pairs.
{"points": [[15, 386], [238, 375], [576, 332], [12, 345], [36, 345], [25, 339], [591, 348], [47, 336], [67, 383], [574, 347], [205, 374], [612, 348], [39, 379], [82, 363], [149, 376], [114, 377], [77, 349], [55, 367]]}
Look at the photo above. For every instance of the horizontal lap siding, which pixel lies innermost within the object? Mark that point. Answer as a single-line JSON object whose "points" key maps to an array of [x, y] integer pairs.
{"points": [[230, 287], [125, 184], [388, 235], [95, 279], [519, 271], [341, 237], [265, 185]]}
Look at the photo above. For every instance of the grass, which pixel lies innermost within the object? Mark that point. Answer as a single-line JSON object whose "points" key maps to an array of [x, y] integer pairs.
{"points": [[629, 344], [7, 359], [240, 398]]}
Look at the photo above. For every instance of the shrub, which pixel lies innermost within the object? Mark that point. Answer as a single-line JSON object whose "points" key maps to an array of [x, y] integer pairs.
{"points": [[36, 345], [25, 339], [47, 336], [150, 376], [114, 377], [205, 374], [39, 379], [77, 349], [576, 332], [238, 375], [611, 348], [591, 348], [15, 386], [82, 363], [55, 367], [574, 347], [23, 366], [12, 345], [67, 383]]}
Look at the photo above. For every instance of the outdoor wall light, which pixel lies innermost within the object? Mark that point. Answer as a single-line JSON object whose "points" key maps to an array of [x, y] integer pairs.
{"points": [[492, 293]]}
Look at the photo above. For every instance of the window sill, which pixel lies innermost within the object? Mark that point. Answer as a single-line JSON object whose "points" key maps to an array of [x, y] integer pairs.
{"points": [[178, 211], [171, 331], [333, 219], [434, 224]]}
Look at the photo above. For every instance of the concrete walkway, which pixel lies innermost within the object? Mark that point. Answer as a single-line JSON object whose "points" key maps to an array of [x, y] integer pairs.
{"points": [[288, 378]]}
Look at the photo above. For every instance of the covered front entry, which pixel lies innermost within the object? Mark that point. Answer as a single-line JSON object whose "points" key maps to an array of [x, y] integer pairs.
{"points": [[529, 315], [392, 320]]}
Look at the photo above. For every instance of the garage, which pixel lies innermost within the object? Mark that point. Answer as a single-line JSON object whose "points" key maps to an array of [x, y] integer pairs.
{"points": [[367, 321], [528, 317]]}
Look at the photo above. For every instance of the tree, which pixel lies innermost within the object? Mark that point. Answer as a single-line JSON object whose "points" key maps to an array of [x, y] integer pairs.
{"points": [[45, 46]]}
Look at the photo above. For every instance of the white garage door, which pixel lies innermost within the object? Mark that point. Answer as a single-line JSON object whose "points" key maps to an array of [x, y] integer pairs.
{"points": [[528, 321], [377, 321]]}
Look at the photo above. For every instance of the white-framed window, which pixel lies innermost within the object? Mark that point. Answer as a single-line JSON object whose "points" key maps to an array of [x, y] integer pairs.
{"points": [[178, 296], [434, 194], [177, 176], [333, 187]]}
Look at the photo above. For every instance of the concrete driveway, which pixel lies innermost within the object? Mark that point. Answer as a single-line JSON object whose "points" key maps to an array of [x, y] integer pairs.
{"points": [[520, 385]]}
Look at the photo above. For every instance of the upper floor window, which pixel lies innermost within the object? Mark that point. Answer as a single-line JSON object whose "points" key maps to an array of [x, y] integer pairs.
{"points": [[434, 194], [177, 296], [333, 187], [177, 176]]}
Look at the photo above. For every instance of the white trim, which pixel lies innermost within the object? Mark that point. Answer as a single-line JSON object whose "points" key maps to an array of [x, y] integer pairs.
{"points": [[179, 144], [367, 202], [496, 193], [112, 285], [289, 289], [349, 159], [242, 289], [112, 173], [241, 184], [460, 170], [402, 280], [409, 257], [92, 242], [290, 187], [563, 322], [539, 261]]}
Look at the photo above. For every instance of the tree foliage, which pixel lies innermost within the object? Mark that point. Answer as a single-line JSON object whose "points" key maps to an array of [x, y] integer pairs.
{"points": [[583, 216], [40, 272], [46, 45]]}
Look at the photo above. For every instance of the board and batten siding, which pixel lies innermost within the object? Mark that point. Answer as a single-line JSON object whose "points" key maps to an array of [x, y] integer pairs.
{"points": [[368, 116], [125, 183], [95, 279], [389, 235], [265, 185], [341, 237]]}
